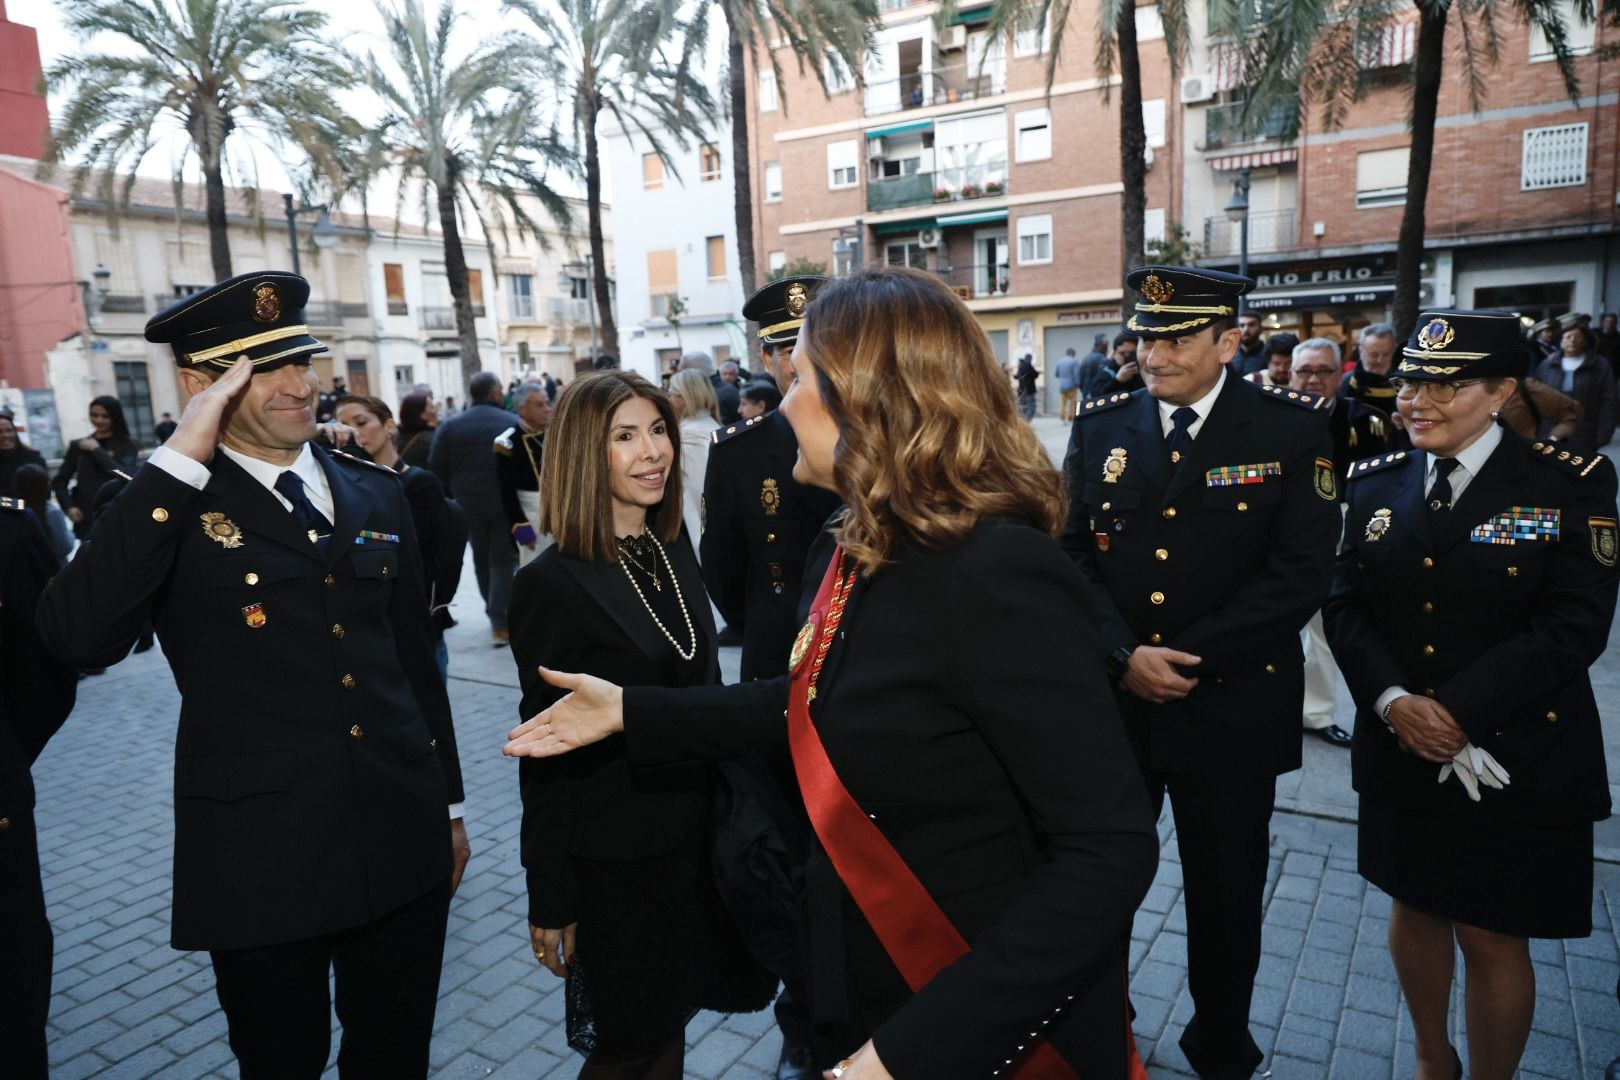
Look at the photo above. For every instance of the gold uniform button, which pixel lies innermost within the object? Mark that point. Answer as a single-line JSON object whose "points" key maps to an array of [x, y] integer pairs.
{"points": [[1107, 506], [770, 538], [1169, 511], [385, 572], [348, 682], [1428, 650], [337, 630], [1428, 607], [159, 514], [5, 823], [251, 578], [354, 732], [1157, 598], [1161, 554], [1156, 639], [1552, 717], [1271, 669], [1243, 506], [1428, 564], [330, 581], [1513, 571]]}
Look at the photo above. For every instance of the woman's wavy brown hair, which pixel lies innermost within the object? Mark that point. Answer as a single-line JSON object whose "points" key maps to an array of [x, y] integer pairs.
{"points": [[930, 443]]}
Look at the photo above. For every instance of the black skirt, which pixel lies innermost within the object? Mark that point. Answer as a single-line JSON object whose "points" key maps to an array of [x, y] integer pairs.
{"points": [[1511, 878]]}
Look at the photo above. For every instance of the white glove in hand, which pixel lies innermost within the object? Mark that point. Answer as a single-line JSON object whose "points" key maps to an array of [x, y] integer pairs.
{"points": [[1473, 767]]}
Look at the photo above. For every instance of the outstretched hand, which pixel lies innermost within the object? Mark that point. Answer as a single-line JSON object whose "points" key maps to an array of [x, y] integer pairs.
{"points": [[591, 711], [197, 435]]}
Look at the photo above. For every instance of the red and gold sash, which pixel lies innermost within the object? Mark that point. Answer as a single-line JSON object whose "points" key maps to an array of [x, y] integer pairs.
{"points": [[916, 934]]}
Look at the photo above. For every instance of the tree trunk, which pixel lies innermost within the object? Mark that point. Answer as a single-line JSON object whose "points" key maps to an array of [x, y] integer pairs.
{"points": [[593, 211], [742, 188], [455, 268], [219, 237], [1427, 73], [1132, 141]]}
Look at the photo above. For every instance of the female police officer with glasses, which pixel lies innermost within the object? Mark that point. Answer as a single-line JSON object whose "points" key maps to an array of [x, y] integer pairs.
{"points": [[1476, 587]]}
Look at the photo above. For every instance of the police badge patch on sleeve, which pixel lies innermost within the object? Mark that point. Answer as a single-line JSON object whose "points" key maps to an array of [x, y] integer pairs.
{"points": [[1326, 484], [1604, 542]]}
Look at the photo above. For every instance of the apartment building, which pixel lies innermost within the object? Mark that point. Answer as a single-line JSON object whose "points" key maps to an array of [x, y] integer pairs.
{"points": [[1522, 210], [955, 159], [675, 235], [545, 308]]}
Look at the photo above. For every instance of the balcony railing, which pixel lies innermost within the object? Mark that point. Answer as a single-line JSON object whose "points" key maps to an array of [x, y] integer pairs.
{"points": [[125, 303], [1225, 125], [438, 318], [977, 279], [943, 186], [332, 312], [960, 82], [569, 309], [1271, 230]]}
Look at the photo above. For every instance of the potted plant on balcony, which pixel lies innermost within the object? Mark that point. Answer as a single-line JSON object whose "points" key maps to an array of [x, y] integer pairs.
{"points": [[942, 194], [993, 187], [970, 191]]}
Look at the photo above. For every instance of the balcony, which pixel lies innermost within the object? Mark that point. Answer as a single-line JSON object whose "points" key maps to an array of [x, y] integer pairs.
{"points": [[942, 86], [943, 186], [126, 304], [438, 318], [1225, 125], [568, 309], [331, 312], [1271, 230], [977, 280]]}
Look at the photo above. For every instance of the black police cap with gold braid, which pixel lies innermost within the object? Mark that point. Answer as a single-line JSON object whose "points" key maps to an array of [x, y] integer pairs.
{"points": [[1451, 344], [1179, 300], [261, 315], [779, 308]]}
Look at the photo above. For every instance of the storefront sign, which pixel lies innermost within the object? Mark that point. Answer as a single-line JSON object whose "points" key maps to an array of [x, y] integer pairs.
{"points": [[1346, 273], [1319, 300], [1099, 315]]}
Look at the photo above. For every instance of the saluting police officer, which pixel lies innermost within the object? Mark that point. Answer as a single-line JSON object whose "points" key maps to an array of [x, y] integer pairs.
{"points": [[518, 453], [36, 695], [758, 525], [316, 781], [1203, 512]]}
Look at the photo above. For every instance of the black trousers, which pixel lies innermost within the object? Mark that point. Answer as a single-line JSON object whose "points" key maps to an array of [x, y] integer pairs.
{"points": [[25, 952], [386, 972], [494, 557], [1223, 831]]}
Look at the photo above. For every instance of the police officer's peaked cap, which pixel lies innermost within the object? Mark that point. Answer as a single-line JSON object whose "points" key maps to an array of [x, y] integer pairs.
{"points": [[261, 315], [779, 308], [1450, 344], [1570, 320], [1181, 300]]}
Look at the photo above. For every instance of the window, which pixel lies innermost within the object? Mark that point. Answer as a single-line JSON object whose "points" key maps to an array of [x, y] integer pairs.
{"points": [[475, 290], [842, 165], [1553, 157], [776, 262], [906, 253], [129, 376], [1381, 177], [652, 171], [1150, 24], [717, 257], [521, 289], [1029, 33], [579, 288], [1579, 36], [1034, 239], [839, 80], [773, 181], [404, 380], [394, 286], [1153, 121], [709, 162], [663, 280], [970, 152], [1153, 226], [843, 260], [767, 91], [1034, 134]]}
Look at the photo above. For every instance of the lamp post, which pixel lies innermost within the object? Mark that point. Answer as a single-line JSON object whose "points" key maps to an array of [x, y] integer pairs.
{"points": [[573, 270], [324, 234], [1238, 211]]}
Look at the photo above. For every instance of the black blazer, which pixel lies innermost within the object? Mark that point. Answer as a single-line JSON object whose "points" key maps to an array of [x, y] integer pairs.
{"points": [[1229, 573], [572, 614], [1502, 635], [315, 758], [88, 471], [965, 708]]}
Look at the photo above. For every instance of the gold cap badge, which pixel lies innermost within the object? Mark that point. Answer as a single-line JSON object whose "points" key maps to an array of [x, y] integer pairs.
{"points": [[1436, 334], [266, 303], [798, 298], [1156, 289]]}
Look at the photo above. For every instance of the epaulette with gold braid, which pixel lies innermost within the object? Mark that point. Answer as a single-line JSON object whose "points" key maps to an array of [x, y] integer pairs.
{"points": [[1366, 466], [731, 430], [1102, 404], [1302, 398], [1579, 464]]}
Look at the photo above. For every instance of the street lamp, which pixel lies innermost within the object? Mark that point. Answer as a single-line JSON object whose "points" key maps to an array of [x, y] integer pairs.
{"points": [[324, 234], [586, 270], [1238, 211], [94, 293]]}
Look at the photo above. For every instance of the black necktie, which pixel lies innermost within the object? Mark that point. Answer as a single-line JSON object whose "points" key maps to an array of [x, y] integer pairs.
{"points": [[310, 519], [1180, 439], [1440, 493]]}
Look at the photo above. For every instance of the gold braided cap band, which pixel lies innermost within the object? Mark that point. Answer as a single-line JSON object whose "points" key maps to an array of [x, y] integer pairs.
{"points": [[235, 348], [777, 328]]}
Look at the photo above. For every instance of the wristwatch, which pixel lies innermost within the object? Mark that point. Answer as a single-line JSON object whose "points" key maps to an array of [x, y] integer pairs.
{"points": [[1117, 661]]}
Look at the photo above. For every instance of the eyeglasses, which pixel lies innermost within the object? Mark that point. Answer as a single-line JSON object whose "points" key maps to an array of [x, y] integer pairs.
{"points": [[1441, 393]]}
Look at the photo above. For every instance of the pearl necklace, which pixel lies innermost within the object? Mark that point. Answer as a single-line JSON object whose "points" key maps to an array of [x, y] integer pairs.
{"points": [[690, 651]]}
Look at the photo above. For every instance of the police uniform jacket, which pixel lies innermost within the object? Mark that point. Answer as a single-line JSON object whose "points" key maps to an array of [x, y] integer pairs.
{"points": [[961, 712], [518, 454], [1358, 432], [315, 759], [1188, 556], [759, 524], [1501, 634]]}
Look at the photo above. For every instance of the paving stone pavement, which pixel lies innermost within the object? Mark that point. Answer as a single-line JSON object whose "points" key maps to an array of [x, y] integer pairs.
{"points": [[127, 1006]]}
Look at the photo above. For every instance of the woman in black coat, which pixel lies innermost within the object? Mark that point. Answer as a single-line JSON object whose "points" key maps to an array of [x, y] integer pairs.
{"points": [[621, 902], [13, 454], [92, 461], [1475, 589], [960, 698]]}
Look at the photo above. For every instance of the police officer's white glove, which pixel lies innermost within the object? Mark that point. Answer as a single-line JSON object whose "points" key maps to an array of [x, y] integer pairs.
{"points": [[1462, 768], [1487, 769]]}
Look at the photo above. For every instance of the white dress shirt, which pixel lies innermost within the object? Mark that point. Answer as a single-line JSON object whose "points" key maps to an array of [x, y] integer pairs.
{"points": [[192, 472], [1470, 460], [1201, 407]]}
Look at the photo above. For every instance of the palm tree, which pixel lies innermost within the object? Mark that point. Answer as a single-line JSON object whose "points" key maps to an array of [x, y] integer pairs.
{"points": [[1115, 50], [204, 69], [453, 130], [838, 28], [635, 61], [1314, 49]]}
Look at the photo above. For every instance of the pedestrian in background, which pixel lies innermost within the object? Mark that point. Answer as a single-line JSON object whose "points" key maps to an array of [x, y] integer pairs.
{"points": [[1251, 354], [464, 463], [1093, 364], [725, 394], [1025, 378], [32, 485], [14, 453], [692, 397], [519, 461], [1120, 375], [1607, 341], [1535, 403], [1475, 590], [1068, 378], [418, 419], [1579, 372], [165, 428], [92, 461], [1279, 369], [327, 409], [758, 399]]}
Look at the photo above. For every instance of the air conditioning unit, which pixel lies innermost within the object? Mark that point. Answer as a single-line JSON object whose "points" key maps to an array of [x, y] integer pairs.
{"points": [[954, 37], [1196, 88], [875, 148], [928, 238]]}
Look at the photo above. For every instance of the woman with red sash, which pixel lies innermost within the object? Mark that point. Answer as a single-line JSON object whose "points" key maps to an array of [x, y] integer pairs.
{"points": [[983, 837]]}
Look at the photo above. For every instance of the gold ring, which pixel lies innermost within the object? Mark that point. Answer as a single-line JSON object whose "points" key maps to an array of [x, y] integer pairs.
{"points": [[838, 1069], [541, 955]]}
